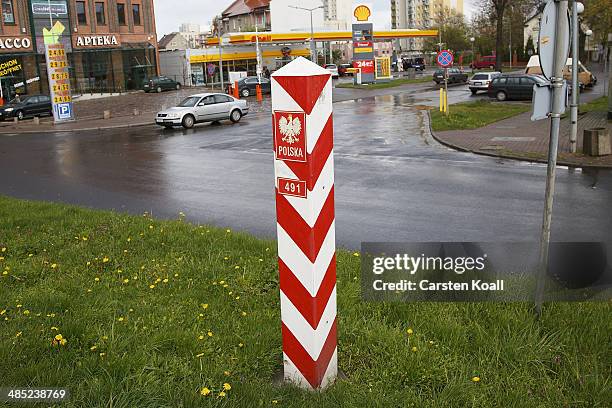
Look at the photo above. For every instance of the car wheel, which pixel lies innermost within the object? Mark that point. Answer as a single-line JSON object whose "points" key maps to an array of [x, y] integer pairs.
{"points": [[178, 87], [474, 91], [19, 115], [501, 96], [245, 92], [188, 121], [159, 89], [235, 116]]}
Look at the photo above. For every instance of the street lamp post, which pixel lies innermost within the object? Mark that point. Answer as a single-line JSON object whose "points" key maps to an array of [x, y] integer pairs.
{"points": [[312, 40], [472, 39], [577, 8], [219, 24]]}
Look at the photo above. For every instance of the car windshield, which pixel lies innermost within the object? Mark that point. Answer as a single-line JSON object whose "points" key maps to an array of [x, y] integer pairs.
{"points": [[189, 102], [480, 76]]}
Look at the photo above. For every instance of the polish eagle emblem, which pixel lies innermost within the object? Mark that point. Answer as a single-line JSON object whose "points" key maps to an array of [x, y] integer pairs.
{"points": [[290, 128]]}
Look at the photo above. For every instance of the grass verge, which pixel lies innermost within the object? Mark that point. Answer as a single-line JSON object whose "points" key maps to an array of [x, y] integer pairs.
{"points": [[390, 84], [472, 115], [598, 105], [153, 312]]}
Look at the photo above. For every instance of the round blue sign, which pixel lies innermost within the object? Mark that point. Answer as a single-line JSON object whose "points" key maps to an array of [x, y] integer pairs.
{"points": [[445, 58]]}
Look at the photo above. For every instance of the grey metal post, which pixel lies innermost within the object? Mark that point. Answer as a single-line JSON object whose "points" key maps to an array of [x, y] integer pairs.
{"points": [[555, 118], [220, 55], [575, 85]]}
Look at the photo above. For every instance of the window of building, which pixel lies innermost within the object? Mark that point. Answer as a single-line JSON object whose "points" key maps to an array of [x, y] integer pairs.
{"points": [[81, 13], [121, 13], [100, 16], [136, 13], [8, 16]]}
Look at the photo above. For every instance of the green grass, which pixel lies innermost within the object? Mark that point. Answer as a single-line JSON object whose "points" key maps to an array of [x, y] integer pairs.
{"points": [[598, 105], [153, 356], [390, 84], [472, 115]]}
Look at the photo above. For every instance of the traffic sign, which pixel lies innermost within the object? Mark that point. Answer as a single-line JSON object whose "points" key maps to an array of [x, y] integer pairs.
{"points": [[445, 58], [546, 40]]}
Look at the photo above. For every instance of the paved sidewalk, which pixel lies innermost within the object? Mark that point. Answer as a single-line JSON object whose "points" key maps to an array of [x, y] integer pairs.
{"points": [[520, 138]]}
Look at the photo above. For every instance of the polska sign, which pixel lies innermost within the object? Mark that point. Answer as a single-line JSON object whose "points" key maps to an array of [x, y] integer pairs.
{"points": [[97, 41], [15, 43]]}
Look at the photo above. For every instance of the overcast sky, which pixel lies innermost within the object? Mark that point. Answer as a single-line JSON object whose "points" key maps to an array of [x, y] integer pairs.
{"points": [[169, 14]]}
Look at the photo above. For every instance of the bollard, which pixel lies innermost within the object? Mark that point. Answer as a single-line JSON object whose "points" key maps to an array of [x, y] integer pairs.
{"points": [[259, 94], [596, 142], [107, 114], [36, 120], [236, 93], [441, 99], [304, 179]]}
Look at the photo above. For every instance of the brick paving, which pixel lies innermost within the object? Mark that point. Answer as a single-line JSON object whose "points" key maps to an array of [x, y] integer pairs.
{"points": [[520, 138]]}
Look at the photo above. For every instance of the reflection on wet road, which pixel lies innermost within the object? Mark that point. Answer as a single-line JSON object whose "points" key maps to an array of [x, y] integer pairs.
{"points": [[393, 182]]}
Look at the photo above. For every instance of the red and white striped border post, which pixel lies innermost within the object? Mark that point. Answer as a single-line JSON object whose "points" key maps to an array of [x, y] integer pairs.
{"points": [[304, 174]]}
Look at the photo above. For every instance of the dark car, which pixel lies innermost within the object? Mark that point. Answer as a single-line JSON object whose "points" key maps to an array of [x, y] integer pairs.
{"points": [[248, 86], [343, 69], [161, 83], [454, 76], [32, 105], [514, 87]]}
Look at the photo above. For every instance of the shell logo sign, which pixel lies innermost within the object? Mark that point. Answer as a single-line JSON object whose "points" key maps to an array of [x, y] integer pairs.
{"points": [[362, 12]]}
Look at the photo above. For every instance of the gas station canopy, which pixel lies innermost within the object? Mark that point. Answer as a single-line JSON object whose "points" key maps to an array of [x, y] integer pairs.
{"points": [[271, 37]]}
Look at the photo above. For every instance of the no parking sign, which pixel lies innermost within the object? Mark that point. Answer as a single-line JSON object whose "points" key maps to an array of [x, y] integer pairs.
{"points": [[445, 58]]}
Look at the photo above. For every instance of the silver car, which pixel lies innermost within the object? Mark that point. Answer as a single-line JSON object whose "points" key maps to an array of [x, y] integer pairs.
{"points": [[481, 81], [206, 107]]}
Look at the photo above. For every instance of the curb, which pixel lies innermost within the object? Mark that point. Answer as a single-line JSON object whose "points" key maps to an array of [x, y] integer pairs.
{"points": [[560, 162], [131, 125]]}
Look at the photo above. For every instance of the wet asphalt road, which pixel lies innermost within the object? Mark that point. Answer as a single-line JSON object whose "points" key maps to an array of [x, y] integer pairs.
{"points": [[393, 182]]}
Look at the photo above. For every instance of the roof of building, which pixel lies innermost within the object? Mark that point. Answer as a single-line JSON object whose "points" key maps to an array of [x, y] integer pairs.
{"points": [[167, 39], [240, 7]]}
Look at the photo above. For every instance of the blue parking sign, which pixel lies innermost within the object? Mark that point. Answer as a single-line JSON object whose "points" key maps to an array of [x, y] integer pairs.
{"points": [[64, 111]]}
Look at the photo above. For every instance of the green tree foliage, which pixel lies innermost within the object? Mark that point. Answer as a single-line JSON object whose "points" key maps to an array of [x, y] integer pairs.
{"points": [[454, 31]]}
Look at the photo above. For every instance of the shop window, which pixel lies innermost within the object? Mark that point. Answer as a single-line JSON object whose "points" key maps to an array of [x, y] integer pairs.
{"points": [[100, 15], [8, 16], [121, 13], [81, 13], [136, 14]]}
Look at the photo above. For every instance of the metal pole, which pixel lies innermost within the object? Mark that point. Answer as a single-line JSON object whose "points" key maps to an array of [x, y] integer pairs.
{"points": [[258, 67], [220, 54], [575, 84], [555, 118], [510, 26], [312, 41]]}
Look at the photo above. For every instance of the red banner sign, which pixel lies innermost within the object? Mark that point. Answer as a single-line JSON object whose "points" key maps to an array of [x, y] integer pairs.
{"points": [[367, 66]]}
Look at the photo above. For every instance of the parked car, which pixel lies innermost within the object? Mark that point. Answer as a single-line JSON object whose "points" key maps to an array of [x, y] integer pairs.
{"points": [[487, 61], [33, 105], [455, 75], [206, 107], [333, 69], [514, 86], [248, 86], [480, 82], [585, 78], [418, 64], [161, 83], [343, 69]]}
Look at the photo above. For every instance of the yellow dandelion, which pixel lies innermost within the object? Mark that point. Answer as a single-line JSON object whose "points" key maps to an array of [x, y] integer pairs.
{"points": [[30, 255], [355, 253], [3, 311], [26, 312], [58, 337], [134, 277], [200, 315], [237, 267], [121, 319], [210, 334], [54, 328], [240, 345], [226, 386], [244, 313], [275, 401], [165, 280], [237, 297], [150, 227], [204, 305], [222, 282], [199, 355], [88, 290], [5, 272], [84, 238], [151, 286], [409, 331], [18, 306], [414, 349], [53, 266], [226, 285], [126, 280], [102, 354], [260, 260], [3, 249], [18, 334], [227, 373], [201, 337], [204, 391], [63, 342], [104, 337], [222, 394], [97, 279], [176, 275], [93, 348], [475, 379], [105, 260], [88, 263], [228, 230]]}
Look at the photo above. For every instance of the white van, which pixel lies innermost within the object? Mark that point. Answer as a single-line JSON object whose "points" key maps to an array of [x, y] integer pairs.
{"points": [[585, 77]]}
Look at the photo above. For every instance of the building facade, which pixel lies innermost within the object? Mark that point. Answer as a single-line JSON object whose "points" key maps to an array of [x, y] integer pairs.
{"points": [[419, 14], [245, 15], [111, 44]]}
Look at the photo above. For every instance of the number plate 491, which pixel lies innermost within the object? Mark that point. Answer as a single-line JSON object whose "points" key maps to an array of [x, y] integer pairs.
{"points": [[289, 187]]}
